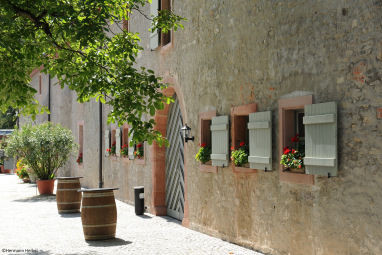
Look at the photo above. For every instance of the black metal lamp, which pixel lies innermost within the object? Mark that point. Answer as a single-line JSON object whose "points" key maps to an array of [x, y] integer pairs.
{"points": [[186, 133]]}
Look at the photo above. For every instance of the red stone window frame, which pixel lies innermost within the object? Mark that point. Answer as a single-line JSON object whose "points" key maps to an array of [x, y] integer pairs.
{"points": [[81, 140], [205, 137], [286, 131], [239, 131]]}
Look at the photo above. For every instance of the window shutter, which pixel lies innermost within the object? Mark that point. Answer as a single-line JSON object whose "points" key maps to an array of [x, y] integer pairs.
{"points": [[118, 142], [107, 143], [131, 147], [154, 36], [260, 140], [220, 140], [320, 122], [9, 163]]}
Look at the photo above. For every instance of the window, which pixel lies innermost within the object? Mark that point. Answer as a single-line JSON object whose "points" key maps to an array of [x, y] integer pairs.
{"points": [[205, 136], [239, 130], [291, 113], [80, 142], [165, 38], [158, 38]]}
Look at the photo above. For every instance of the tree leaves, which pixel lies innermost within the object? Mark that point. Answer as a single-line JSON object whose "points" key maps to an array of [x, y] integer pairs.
{"points": [[73, 41]]}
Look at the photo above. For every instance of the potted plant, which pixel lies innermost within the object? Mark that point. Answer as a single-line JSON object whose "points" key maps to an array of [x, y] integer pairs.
{"points": [[125, 150], [240, 156], [112, 149], [204, 154], [292, 157], [45, 148], [139, 152], [79, 159], [21, 171]]}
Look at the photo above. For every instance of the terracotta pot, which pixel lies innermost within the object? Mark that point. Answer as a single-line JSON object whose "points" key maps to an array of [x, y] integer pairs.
{"points": [[45, 187], [2, 169]]}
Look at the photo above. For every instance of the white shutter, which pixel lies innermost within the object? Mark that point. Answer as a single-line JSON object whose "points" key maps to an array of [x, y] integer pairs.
{"points": [[107, 143], [220, 140], [131, 147], [260, 140], [320, 122], [118, 142], [154, 36]]}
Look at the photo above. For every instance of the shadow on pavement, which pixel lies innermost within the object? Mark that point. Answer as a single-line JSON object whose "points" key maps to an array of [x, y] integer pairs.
{"points": [[39, 198], [109, 242], [169, 219], [144, 216], [70, 215]]}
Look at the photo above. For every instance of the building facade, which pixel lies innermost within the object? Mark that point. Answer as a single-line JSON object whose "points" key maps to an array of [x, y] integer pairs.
{"points": [[282, 60]]}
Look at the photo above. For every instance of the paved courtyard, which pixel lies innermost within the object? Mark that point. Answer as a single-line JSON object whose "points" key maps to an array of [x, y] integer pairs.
{"points": [[30, 224]]}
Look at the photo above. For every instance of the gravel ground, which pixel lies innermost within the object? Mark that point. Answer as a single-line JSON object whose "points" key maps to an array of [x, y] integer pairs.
{"points": [[30, 224]]}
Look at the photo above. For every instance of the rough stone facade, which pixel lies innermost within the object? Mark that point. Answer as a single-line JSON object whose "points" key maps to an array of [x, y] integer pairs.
{"points": [[233, 53]]}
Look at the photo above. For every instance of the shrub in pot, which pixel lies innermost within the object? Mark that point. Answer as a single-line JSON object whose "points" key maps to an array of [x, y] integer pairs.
{"points": [[45, 148]]}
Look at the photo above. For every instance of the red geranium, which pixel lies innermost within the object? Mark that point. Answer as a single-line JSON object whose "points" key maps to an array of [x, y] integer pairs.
{"points": [[295, 139], [203, 145], [242, 144], [232, 148], [139, 145]]}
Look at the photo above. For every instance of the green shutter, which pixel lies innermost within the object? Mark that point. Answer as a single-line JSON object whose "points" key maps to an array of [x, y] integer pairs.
{"points": [[260, 140], [154, 36], [320, 122], [107, 142], [118, 142], [220, 140]]}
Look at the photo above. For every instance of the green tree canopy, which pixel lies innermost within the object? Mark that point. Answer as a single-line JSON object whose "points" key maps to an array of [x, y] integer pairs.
{"points": [[69, 39], [8, 119]]}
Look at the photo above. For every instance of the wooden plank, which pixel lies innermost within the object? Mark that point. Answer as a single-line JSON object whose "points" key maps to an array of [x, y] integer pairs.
{"points": [[260, 140], [319, 161], [259, 160], [154, 36], [221, 127], [321, 140], [220, 140], [258, 125], [319, 119], [219, 156]]}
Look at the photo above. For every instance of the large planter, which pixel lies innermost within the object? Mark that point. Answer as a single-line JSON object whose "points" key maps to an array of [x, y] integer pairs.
{"points": [[2, 169], [98, 214], [67, 195], [45, 187]]}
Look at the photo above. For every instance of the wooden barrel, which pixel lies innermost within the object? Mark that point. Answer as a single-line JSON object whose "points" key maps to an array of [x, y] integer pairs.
{"points": [[68, 199], [98, 214]]}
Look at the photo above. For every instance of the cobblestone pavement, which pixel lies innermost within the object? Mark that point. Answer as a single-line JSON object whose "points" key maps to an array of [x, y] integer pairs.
{"points": [[30, 224]]}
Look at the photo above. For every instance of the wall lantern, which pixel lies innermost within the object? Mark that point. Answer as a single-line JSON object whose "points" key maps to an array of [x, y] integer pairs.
{"points": [[186, 133]]}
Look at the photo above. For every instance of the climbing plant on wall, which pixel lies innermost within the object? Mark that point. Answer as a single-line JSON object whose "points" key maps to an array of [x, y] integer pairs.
{"points": [[73, 40]]}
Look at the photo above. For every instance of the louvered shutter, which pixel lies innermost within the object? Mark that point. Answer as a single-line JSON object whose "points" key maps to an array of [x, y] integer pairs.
{"points": [[107, 143], [118, 142], [131, 147], [320, 122], [260, 140], [220, 140], [9, 163], [154, 36]]}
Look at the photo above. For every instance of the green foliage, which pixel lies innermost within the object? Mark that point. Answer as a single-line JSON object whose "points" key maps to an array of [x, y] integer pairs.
{"points": [[44, 147], [204, 154], [8, 119], [73, 41], [239, 157], [292, 158]]}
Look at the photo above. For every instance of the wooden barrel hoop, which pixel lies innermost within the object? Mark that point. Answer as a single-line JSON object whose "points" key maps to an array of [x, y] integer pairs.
{"points": [[99, 214], [68, 199]]}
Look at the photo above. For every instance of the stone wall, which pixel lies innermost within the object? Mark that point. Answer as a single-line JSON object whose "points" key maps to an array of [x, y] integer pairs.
{"points": [[233, 53]]}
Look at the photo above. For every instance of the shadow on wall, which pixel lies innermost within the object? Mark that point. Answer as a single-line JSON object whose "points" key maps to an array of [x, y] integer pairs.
{"points": [[39, 198], [109, 242]]}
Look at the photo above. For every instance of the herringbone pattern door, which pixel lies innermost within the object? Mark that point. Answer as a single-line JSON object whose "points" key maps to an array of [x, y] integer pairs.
{"points": [[175, 163]]}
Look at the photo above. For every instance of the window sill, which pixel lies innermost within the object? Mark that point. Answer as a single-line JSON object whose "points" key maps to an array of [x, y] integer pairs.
{"points": [[208, 168], [239, 169]]}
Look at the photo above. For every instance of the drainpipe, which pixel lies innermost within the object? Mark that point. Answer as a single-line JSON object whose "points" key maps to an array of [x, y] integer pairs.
{"points": [[100, 184], [49, 85]]}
